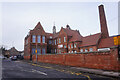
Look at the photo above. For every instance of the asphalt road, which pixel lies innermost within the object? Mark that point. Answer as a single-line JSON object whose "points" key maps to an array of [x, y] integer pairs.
{"points": [[23, 70]]}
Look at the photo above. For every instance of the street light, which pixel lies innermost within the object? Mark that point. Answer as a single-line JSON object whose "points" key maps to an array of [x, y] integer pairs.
{"points": [[36, 52]]}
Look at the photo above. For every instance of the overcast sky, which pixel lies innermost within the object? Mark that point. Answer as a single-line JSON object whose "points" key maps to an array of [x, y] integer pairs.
{"points": [[19, 17]]}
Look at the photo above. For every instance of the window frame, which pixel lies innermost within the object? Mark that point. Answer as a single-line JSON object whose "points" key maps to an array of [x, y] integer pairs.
{"points": [[43, 39], [39, 39], [64, 39], [59, 40], [33, 38]]}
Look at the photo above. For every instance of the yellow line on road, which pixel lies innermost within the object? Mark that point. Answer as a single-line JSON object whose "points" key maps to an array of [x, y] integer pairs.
{"points": [[63, 71]]}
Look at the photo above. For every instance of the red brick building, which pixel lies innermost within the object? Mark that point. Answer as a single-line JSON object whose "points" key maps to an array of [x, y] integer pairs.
{"points": [[67, 40]]}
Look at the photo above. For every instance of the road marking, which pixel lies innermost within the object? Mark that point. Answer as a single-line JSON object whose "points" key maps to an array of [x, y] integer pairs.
{"points": [[33, 70], [63, 71]]}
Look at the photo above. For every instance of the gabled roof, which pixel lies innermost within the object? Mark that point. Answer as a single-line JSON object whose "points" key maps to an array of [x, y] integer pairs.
{"points": [[13, 51], [38, 28], [106, 43], [90, 40], [55, 35], [75, 35], [49, 34]]}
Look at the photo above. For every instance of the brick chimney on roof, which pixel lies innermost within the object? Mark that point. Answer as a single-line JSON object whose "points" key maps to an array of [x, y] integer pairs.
{"points": [[103, 23]]}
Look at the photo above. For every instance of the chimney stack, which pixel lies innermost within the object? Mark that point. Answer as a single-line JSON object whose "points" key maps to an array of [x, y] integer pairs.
{"points": [[103, 23]]}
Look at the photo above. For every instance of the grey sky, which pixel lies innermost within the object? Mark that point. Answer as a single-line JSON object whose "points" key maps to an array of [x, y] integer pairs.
{"points": [[19, 17]]}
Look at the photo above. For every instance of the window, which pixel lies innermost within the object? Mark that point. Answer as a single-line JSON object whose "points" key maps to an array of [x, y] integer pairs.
{"points": [[50, 37], [91, 49], [86, 50], [50, 42], [38, 51], [72, 52], [38, 39], [33, 50], [43, 39], [75, 45], [55, 42], [75, 51], [43, 50], [59, 51], [55, 50], [33, 38], [59, 40], [64, 46], [81, 50], [71, 46], [64, 39]]}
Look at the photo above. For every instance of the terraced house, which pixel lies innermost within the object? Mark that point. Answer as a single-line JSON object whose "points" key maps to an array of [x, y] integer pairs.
{"points": [[67, 40]]}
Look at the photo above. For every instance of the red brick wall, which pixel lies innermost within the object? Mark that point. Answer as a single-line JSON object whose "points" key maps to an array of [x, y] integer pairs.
{"points": [[27, 57], [99, 60]]}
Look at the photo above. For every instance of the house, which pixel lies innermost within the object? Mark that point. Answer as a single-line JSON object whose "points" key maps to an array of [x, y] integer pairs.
{"points": [[67, 40]]}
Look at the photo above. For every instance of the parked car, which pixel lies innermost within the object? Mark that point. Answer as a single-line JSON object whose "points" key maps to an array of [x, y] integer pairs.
{"points": [[20, 57], [13, 58]]}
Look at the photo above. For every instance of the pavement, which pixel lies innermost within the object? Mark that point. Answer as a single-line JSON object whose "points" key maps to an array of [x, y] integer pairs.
{"points": [[79, 69]]}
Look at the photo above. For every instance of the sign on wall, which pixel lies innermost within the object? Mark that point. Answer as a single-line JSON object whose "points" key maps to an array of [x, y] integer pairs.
{"points": [[60, 46], [116, 40]]}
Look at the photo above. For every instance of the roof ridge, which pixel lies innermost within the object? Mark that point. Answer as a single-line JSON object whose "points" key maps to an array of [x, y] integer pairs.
{"points": [[92, 34]]}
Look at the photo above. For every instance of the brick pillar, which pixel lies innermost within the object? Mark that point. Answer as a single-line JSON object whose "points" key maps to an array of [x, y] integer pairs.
{"points": [[103, 23]]}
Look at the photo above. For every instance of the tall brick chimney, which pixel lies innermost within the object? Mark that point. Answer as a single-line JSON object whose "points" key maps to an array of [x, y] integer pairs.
{"points": [[103, 23]]}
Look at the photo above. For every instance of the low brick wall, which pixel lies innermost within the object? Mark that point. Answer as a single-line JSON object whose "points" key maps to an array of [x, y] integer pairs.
{"points": [[107, 60], [27, 57]]}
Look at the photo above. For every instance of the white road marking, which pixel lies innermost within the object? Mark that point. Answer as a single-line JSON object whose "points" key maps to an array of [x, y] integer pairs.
{"points": [[33, 70]]}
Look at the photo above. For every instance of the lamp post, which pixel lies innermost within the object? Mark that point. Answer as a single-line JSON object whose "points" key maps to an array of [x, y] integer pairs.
{"points": [[36, 52]]}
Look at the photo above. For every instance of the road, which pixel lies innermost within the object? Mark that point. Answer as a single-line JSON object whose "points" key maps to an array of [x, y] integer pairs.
{"points": [[23, 70]]}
